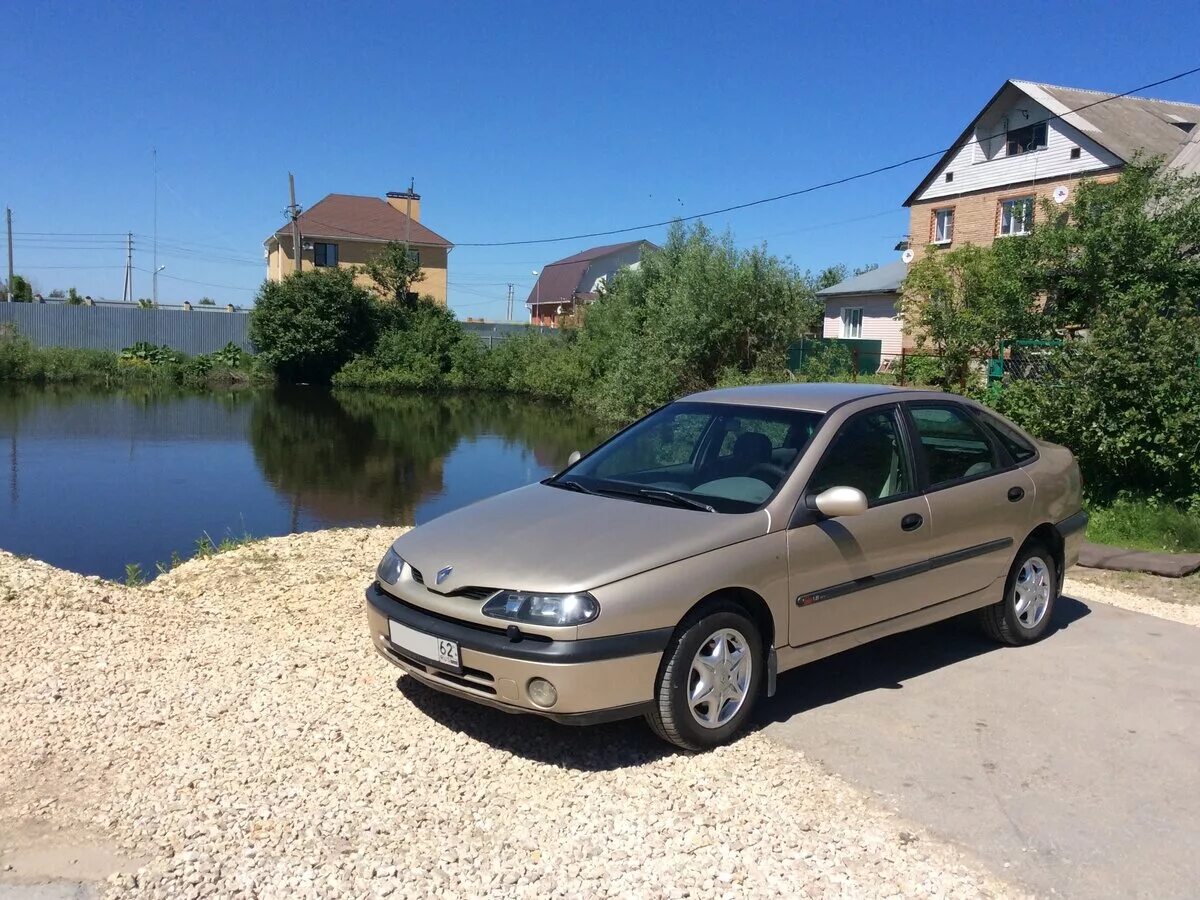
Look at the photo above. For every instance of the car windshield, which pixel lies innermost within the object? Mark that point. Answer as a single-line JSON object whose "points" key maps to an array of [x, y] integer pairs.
{"points": [[707, 456]]}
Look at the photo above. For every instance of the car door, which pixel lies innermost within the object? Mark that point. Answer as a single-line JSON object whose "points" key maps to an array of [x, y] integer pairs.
{"points": [[848, 572], [980, 503]]}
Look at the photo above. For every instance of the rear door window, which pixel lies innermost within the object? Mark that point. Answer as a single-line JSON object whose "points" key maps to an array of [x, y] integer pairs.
{"points": [[953, 445], [1017, 446]]}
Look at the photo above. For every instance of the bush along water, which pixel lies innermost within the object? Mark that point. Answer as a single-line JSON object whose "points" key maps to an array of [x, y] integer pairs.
{"points": [[141, 363]]}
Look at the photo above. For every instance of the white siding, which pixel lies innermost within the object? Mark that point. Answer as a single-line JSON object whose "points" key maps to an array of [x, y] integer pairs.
{"points": [[880, 322], [604, 267], [974, 171]]}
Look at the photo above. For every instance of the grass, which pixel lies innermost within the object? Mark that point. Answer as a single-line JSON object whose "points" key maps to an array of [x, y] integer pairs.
{"points": [[206, 547], [1141, 525]]}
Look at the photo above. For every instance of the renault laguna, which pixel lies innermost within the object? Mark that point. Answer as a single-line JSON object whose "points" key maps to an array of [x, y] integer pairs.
{"points": [[675, 570]]}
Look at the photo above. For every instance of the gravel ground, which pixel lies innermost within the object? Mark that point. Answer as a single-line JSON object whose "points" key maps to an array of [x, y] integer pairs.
{"points": [[229, 727], [1096, 585]]}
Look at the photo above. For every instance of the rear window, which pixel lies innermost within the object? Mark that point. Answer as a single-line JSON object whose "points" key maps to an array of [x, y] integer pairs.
{"points": [[1018, 448]]}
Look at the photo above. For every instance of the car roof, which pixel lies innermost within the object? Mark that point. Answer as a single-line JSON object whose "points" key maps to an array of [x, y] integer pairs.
{"points": [[813, 396]]}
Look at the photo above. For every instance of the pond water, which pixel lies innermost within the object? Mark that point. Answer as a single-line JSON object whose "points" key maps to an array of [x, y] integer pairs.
{"points": [[98, 479]]}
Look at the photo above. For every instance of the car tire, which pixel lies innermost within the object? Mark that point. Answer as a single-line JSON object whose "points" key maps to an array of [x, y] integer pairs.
{"points": [[676, 717], [1030, 592]]}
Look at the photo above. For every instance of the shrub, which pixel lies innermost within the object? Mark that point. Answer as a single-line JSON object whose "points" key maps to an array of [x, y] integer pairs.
{"points": [[421, 346], [309, 325], [828, 361], [1127, 402]]}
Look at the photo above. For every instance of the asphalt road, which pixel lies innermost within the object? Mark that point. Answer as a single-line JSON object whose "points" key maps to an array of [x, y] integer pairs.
{"points": [[1070, 766]]}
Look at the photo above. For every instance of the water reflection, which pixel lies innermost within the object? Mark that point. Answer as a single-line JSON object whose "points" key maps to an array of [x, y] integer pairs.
{"points": [[98, 479]]}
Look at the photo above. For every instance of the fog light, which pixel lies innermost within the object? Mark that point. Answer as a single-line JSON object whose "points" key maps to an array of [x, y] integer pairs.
{"points": [[542, 692]]}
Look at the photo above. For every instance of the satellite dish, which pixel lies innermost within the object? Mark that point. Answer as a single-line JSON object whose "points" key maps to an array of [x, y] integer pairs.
{"points": [[1061, 194], [907, 255]]}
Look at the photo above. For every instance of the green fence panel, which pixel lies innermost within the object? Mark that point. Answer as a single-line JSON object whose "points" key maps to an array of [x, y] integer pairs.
{"points": [[866, 354]]}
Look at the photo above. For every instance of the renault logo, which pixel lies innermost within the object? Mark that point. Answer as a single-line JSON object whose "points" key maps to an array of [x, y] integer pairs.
{"points": [[443, 574]]}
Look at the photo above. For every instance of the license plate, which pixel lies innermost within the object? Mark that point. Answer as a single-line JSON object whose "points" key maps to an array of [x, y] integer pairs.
{"points": [[427, 647]]}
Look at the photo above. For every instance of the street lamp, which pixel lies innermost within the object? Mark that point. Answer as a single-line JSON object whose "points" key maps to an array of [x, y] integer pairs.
{"points": [[154, 288]]}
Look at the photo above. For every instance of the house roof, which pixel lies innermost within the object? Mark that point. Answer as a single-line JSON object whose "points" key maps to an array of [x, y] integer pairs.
{"points": [[1122, 125], [884, 280], [559, 280], [362, 218]]}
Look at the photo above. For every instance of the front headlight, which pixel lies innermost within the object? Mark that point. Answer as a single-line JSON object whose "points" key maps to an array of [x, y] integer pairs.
{"points": [[389, 567], [543, 609]]}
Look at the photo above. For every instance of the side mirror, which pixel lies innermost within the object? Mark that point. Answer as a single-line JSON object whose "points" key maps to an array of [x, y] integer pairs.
{"points": [[574, 457], [840, 501]]}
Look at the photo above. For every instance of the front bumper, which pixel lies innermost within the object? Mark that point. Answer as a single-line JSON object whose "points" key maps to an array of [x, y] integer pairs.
{"points": [[597, 679]]}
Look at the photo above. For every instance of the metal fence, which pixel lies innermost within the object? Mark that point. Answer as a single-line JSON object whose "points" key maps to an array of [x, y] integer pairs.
{"points": [[117, 327], [492, 333]]}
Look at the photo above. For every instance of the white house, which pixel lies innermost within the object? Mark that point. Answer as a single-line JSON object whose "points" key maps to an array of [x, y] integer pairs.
{"points": [[865, 307]]}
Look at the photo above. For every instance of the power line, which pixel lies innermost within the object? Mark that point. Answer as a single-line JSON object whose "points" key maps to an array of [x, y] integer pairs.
{"points": [[789, 195], [230, 287]]}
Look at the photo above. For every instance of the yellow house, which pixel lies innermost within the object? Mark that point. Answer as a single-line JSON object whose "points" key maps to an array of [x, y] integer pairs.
{"points": [[346, 230]]}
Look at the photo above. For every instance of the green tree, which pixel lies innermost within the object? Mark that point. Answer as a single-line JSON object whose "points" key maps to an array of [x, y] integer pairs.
{"points": [[694, 312], [309, 325], [1123, 259], [73, 298], [207, 301], [20, 291], [1136, 236], [961, 303], [395, 270]]}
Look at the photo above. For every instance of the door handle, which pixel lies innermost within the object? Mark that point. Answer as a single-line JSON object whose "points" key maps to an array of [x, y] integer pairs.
{"points": [[1015, 494], [911, 522]]}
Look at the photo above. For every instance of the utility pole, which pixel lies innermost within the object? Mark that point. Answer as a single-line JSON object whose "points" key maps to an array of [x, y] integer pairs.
{"points": [[508, 315], [154, 280], [127, 296], [8, 217], [294, 212]]}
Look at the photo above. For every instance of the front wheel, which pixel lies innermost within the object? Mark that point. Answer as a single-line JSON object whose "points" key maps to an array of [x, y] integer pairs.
{"points": [[710, 678], [1023, 615]]}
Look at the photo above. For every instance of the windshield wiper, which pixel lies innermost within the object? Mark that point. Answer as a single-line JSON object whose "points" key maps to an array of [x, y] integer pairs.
{"points": [[659, 494], [570, 486], [677, 499]]}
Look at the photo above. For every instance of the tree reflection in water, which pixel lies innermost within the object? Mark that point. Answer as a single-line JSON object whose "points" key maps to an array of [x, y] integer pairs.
{"points": [[354, 456]]}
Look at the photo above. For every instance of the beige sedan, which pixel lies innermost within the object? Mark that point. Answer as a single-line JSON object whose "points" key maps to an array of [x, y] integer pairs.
{"points": [[677, 568]]}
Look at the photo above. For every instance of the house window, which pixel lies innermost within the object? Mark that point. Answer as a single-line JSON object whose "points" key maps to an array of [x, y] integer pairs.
{"points": [[325, 255], [1016, 215], [949, 177], [1023, 140], [851, 322], [1075, 153], [415, 255], [943, 226]]}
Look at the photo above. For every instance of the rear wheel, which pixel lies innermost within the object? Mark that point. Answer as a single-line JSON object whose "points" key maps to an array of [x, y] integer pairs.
{"points": [[1023, 615], [709, 679]]}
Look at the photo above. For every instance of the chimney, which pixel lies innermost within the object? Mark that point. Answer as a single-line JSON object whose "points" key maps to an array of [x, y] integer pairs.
{"points": [[407, 202]]}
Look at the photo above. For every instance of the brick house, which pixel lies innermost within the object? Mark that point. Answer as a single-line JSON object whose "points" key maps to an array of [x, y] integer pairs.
{"points": [[345, 230], [1027, 144], [564, 285]]}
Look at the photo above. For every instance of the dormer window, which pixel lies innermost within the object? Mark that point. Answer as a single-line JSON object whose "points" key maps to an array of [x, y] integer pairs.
{"points": [[1026, 139]]}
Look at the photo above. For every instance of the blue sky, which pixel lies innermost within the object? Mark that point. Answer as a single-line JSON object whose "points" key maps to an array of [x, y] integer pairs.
{"points": [[517, 121]]}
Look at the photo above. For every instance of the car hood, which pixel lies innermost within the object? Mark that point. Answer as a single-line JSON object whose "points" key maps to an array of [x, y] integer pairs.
{"points": [[540, 538]]}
